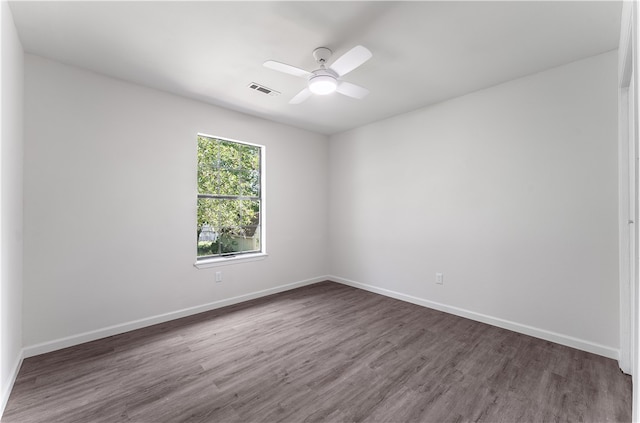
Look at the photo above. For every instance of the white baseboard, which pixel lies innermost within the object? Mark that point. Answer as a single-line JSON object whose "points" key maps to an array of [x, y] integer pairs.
{"points": [[6, 390], [558, 338], [69, 341], [137, 324]]}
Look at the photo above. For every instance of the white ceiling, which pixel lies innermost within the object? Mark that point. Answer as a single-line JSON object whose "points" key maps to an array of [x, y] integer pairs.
{"points": [[423, 52]]}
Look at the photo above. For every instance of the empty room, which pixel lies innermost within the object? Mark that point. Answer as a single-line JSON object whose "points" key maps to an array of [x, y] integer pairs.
{"points": [[322, 211]]}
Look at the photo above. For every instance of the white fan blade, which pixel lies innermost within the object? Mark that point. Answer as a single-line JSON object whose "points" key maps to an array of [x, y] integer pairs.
{"points": [[301, 96], [283, 67], [351, 60], [352, 90]]}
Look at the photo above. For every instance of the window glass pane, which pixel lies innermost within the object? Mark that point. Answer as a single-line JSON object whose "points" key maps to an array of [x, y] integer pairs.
{"points": [[207, 227], [250, 157], [249, 183], [229, 155], [207, 164], [227, 226], [250, 241], [227, 182], [250, 212], [206, 179]]}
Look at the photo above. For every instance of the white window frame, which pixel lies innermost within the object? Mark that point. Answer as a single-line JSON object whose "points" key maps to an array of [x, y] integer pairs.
{"points": [[203, 263]]}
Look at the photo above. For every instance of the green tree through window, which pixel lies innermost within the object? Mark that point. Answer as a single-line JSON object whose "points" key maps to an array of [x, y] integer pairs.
{"points": [[229, 197]]}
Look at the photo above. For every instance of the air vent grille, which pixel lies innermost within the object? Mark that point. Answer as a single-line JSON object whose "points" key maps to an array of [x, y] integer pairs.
{"points": [[261, 88]]}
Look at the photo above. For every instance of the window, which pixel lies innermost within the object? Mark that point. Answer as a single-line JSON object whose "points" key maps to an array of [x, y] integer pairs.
{"points": [[229, 198]]}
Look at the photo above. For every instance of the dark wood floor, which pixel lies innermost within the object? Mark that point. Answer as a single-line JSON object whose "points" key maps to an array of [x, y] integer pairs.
{"points": [[325, 352]]}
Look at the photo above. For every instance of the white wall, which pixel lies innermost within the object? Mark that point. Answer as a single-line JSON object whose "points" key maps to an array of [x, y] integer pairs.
{"points": [[10, 203], [511, 192], [110, 204]]}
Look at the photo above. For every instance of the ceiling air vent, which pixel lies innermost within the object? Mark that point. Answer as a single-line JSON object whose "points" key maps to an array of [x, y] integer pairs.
{"points": [[263, 89]]}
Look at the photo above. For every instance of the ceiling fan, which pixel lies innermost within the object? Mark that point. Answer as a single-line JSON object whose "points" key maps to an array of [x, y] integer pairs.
{"points": [[323, 80]]}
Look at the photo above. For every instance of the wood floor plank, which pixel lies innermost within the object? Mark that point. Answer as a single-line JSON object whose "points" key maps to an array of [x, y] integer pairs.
{"points": [[322, 353]]}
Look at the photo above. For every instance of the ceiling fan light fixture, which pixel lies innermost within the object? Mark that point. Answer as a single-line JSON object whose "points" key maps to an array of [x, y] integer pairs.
{"points": [[323, 84]]}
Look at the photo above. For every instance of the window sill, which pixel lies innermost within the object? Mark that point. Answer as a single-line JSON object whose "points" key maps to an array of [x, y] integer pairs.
{"points": [[225, 261]]}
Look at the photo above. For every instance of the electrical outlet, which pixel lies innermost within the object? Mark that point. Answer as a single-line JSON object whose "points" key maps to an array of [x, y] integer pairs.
{"points": [[439, 278], [218, 276]]}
